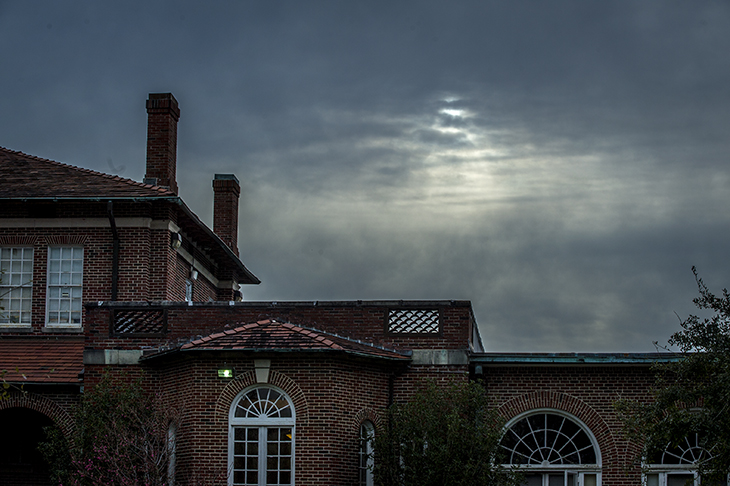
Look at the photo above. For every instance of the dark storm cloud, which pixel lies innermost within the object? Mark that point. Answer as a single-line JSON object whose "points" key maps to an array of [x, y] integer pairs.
{"points": [[561, 164]]}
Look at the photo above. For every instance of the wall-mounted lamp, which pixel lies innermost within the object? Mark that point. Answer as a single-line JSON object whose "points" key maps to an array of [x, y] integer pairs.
{"points": [[193, 274], [176, 240], [225, 373], [262, 367]]}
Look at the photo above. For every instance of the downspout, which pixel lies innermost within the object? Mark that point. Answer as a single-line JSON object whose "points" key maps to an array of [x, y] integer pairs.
{"points": [[115, 249], [391, 384]]}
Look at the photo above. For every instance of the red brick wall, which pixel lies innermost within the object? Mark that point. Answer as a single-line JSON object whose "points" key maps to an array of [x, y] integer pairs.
{"points": [[332, 397], [140, 276], [586, 392], [356, 320]]}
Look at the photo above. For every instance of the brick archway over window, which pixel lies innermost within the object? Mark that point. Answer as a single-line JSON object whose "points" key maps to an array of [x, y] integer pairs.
{"points": [[363, 415], [43, 405], [566, 403], [244, 380]]}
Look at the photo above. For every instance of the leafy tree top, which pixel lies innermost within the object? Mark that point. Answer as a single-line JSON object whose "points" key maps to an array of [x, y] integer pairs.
{"points": [[691, 396]]}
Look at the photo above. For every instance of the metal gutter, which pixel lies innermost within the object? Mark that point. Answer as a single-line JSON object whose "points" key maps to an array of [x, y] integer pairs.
{"points": [[92, 198], [530, 359], [252, 279], [405, 357]]}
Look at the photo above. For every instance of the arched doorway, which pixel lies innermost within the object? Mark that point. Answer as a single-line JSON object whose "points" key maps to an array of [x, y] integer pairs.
{"points": [[21, 463]]}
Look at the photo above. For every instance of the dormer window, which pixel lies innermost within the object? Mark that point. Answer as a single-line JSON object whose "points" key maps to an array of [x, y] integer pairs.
{"points": [[65, 280]]}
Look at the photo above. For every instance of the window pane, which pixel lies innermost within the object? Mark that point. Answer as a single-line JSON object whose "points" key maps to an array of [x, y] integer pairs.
{"points": [[651, 480], [680, 479], [533, 480], [272, 478], [555, 480]]}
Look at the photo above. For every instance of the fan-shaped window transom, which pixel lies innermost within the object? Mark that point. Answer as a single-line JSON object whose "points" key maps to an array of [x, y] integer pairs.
{"points": [[548, 439]]}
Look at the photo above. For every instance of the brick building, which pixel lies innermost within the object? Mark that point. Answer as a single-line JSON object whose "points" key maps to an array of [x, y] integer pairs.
{"points": [[104, 273]]}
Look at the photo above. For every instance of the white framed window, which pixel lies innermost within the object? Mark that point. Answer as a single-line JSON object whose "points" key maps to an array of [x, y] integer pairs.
{"points": [[261, 438], [552, 448], [16, 286], [677, 466], [367, 436], [65, 281]]}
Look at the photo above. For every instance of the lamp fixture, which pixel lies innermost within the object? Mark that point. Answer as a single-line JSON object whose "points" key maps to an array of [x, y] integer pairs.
{"points": [[176, 240]]}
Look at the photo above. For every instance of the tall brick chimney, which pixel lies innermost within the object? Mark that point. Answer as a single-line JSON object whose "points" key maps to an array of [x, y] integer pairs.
{"points": [[162, 116], [226, 190]]}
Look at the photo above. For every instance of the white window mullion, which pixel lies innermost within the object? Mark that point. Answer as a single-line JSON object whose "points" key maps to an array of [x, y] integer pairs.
{"points": [[263, 455]]}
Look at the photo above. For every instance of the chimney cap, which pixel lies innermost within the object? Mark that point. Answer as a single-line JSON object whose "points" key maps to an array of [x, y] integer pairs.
{"points": [[162, 96], [163, 103], [226, 177]]}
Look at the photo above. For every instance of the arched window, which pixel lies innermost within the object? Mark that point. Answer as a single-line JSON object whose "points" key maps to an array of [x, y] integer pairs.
{"points": [[676, 466], [261, 438], [171, 453], [552, 449], [367, 436]]}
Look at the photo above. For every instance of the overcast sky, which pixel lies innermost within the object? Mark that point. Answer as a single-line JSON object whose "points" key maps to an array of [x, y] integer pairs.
{"points": [[561, 164]]}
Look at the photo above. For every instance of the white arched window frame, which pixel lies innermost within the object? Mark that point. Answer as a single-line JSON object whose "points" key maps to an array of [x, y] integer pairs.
{"points": [[676, 466], [261, 438], [552, 448], [367, 459]]}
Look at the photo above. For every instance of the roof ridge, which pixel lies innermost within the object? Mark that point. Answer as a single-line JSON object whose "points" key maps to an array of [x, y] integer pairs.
{"points": [[331, 334], [240, 327], [88, 171]]}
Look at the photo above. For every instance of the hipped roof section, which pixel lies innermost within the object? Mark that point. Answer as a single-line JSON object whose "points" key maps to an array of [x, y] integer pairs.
{"points": [[271, 336], [28, 361], [29, 178]]}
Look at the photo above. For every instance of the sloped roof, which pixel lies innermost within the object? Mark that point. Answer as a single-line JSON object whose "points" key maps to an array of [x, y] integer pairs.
{"points": [[274, 336], [40, 361], [26, 176]]}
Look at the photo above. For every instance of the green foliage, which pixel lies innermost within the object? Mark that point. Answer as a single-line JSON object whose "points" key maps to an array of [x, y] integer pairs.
{"points": [[120, 438], [443, 436], [692, 394], [6, 387]]}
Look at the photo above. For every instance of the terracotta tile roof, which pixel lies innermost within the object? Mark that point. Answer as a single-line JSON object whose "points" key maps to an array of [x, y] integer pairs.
{"points": [[271, 335], [41, 361], [26, 176]]}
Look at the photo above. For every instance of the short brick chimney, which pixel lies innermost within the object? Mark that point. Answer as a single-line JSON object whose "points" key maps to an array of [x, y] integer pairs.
{"points": [[226, 190], [162, 116]]}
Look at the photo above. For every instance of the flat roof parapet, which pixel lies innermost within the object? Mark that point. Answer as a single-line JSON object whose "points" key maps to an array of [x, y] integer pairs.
{"points": [[285, 304], [532, 359]]}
